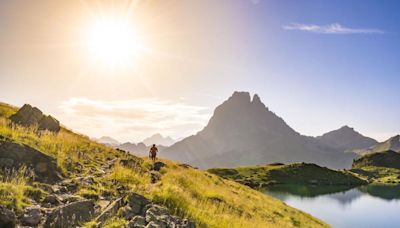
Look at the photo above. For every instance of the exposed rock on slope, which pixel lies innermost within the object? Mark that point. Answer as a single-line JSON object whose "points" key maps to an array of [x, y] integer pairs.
{"points": [[243, 131], [30, 116], [14, 155]]}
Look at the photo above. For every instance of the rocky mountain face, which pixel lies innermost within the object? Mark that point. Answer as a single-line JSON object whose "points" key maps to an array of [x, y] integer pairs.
{"points": [[390, 144], [158, 139], [31, 116], [346, 139], [243, 131]]}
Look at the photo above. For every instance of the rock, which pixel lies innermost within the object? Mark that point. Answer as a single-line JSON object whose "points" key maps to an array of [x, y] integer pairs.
{"points": [[137, 202], [158, 165], [71, 215], [110, 210], [137, 222], [130, 162], [49, 123], [43, 166], [32, 216], [89, 180], [28, 116], [6, 163], [186, 223], [51, 200], [68, 198], [59, 189], [127, 213], [7, 217], [155, 176], [156, 213]]}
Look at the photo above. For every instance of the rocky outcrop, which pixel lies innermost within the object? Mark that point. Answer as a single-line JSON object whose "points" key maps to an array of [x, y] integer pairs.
{"points": [[7, 217], [71, 215], [32, 216], [31, 116], [14, 155]]}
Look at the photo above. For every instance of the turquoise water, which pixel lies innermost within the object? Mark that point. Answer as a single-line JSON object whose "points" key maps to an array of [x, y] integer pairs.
{"points": [[366, 206]]}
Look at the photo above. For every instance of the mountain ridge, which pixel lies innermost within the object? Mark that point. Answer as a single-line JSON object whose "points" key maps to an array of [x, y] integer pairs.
{"points": [[243, 131]]}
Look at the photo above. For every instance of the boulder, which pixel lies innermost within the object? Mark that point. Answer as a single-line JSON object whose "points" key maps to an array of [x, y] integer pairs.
{"points": [[32, 216], [156, 224], [137, 202], [71, 215], [137, 222], [14, 155], [157, 213], [7, 217], [49, 123], [28, 116], [127, 212], [110, 210], [158, 165], [155, 176]]}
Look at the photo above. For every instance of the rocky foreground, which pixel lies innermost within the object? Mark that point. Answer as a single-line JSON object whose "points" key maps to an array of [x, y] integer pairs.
{"points": [[62, 207]]}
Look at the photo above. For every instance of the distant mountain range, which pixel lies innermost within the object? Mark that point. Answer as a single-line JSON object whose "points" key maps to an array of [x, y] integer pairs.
{"points": [[158, 139], [141, 148], [346, 139], [106, 140], [392, 144], [243, 131]]}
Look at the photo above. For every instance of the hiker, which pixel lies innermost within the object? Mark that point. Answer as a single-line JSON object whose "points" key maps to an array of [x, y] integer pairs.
{"points": [[153, 152]]}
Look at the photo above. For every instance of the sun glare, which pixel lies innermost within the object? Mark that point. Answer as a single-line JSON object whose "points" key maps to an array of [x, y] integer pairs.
{"points": [[113, 42]]}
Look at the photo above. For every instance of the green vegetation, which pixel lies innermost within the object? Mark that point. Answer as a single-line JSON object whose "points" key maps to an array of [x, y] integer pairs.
{"points": [[387, 159], [293, 174], [207, 199], [380, 175], [381, 168]]}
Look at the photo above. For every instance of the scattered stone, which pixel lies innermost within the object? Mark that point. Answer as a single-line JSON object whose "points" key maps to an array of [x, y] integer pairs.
{"points": [[156, 224], [14, 155], [89, 180], [186, 223], [7, 217], [68, 198], [155, 176], [158, 165], [71, 215], [137, 222], [51, 200], [32, 216], [156, 213]]}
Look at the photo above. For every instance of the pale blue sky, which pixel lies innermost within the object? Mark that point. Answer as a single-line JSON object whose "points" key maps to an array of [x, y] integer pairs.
{"points": [[317, 64]]}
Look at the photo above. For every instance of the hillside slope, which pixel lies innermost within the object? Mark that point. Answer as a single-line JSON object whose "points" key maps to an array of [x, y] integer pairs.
{"points": [[96, 174], [243, 131], [293, 174]]}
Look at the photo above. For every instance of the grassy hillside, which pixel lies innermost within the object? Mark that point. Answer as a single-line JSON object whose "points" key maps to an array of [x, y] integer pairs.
{"points": [[382, 167], [206, 198], [387, 159], [293, 174]]}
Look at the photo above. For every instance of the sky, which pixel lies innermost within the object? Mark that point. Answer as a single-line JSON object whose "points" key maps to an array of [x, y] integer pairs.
{"points": [[317, 64]]}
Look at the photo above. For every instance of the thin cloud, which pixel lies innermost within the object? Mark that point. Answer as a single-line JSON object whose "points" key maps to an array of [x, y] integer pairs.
{"points": [[132, 120], [334, 28]]}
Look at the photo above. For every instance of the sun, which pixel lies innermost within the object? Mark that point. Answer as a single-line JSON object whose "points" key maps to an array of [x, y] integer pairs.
{"points": [[113, 42]]}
